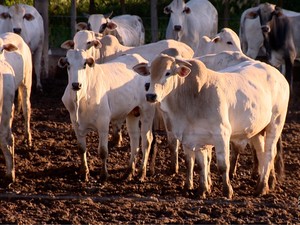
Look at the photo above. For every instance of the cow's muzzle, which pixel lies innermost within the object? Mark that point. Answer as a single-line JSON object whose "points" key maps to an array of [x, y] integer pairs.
{"points": [[76, 86], [17, 30], [151, 97], [265, 28]]}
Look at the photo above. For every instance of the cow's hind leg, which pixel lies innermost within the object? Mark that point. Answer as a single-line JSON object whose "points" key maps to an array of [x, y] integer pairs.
{"points": [[190, 163], [24, 94], [267, 162], [203, 159]]}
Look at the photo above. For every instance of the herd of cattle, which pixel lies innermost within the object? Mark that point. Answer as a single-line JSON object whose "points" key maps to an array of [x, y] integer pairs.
{"points": [[207, 86]]}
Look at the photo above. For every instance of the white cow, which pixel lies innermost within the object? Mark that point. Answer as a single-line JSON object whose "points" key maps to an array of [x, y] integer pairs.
{"points": [[129, 29], [250, 32], [7, 95], [111, 49], [26, 21], [21, 62], [204, 107], [190, 21], [98, 94], [226, 40]]}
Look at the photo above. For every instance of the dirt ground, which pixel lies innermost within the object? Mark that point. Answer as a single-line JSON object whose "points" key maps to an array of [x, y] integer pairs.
{"points": [[48, 189]]}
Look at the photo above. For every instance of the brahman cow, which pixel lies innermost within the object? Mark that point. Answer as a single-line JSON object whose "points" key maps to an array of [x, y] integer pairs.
{"points": [[278, 34], [7, 95], [203, 107], [98, 94], [17, 53], [250, 32], [190, 21], [128, 29], [26, 21]]}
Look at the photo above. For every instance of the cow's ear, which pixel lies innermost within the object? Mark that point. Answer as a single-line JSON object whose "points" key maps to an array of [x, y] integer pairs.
{"points": [[28, 17], [142, 69], [4, 15], [216, 39], [167, 10], [278, 11], [10, 47], [62, 62], [112, 25], [90, 61], [81, 26], [68, 44], [182, 67], [187, 10], [251, 15], [183, 71]]}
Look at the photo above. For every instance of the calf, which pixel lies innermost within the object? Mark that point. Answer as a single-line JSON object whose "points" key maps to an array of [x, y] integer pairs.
{"points": [[98, 94], [233, 106]]}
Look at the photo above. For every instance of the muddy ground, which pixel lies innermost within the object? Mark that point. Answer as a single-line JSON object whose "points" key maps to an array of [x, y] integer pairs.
{"points": [[48, 189]]}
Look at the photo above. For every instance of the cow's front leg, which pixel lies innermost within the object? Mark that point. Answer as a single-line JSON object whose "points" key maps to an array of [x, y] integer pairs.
{"points": [[146, 138], [84, 170], [132, 124]]}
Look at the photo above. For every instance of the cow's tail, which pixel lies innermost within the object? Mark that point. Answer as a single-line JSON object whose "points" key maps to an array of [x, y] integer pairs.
{"points": [[279, 161]]}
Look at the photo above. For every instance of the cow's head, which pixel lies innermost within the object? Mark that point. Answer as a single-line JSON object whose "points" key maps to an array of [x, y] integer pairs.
{"points": [[98, 23], [76, 62], [83, 39], [163, 69], [178, 11], [19, 15]]}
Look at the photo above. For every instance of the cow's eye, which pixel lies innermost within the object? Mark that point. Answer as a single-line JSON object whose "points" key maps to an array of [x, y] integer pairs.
{"points": [[229, 42], [84, 65], [168, 74]]}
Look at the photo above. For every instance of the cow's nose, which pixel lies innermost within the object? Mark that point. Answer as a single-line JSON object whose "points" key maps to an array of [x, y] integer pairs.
{"points": [[76, 86], [147, 85], [265, 29], [17, 30], [177, 28], [151, 97]]}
